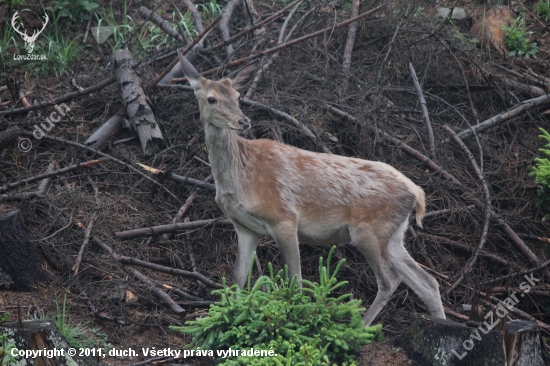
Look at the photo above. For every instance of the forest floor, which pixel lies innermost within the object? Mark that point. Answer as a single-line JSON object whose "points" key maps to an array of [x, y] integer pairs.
{"points": [[369, 110]]}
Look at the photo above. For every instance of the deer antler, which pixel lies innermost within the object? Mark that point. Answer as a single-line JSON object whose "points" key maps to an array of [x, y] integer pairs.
{"points": [[16, 27], [36, 33]]}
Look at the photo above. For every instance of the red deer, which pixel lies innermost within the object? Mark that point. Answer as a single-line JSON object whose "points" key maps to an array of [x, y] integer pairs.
{"points": [[296, 196]]}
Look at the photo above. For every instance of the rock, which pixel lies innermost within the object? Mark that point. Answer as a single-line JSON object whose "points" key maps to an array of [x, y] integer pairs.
{"points": [[458, 13]]}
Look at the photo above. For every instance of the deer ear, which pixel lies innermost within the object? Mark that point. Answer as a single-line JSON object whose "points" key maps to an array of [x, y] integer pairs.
{"points": [[190, 72], [240, 77]]}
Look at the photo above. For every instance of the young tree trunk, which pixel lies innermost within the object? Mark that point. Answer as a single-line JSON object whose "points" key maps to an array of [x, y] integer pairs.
{"points": [[18, 257]]}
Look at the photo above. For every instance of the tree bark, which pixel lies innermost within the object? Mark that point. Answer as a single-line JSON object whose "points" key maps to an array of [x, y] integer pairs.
{"points": [[18, 257], [436, 342], [138, 109]]}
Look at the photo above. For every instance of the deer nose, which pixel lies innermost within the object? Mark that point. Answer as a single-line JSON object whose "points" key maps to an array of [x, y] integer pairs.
{"points": [[244, 123]]}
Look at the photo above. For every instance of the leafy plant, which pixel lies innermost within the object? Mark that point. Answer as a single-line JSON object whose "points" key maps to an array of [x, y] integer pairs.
{"points": [[543, 10], [60, 52], [517, 39], [73, 10], [541, 172], [103, 340], [302, 326], [5, 351], [5, 316], [74, 333], [210, 8]]}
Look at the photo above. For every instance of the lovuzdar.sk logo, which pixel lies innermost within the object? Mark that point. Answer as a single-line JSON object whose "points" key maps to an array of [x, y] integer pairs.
{"points": [[16, 23]]}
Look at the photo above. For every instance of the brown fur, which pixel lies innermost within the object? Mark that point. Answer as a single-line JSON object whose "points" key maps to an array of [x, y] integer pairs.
{"points": [[298, 196]]}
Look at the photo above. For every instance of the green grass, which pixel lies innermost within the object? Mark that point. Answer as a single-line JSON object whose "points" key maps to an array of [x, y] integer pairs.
{"points": [[60, 50], [75, 333], [543, 10]]}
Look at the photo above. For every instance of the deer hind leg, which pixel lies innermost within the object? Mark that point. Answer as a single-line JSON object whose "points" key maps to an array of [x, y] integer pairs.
{"points": [[285, 235], [423, 284], [248, 241], [387, 277]]}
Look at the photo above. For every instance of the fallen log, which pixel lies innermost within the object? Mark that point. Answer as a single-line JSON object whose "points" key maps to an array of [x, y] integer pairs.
{"points": [[140, 113], [170, 228], [504, 116], [107, 131]]}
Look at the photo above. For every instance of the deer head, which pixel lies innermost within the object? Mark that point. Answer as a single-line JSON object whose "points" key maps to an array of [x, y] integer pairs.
{"points": [[219, 100], [29, 40]]}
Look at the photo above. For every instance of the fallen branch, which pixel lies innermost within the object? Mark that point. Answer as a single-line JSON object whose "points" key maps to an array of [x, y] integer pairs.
{"points": [[254, 27], [286, 44], [30, 195], [224, 25], [505, 116], [481, 177], [102, 84], [50, 174], [263, 68], [157, 292], [445, 211], [351, 36], [528, 253], [178, 178], [161, 23], [107, 131], [157, 267], [87, 234], [305, 130], [542, 266], [469, 249], [425, 115], [175, 66], [169, 228], [112, 158]]}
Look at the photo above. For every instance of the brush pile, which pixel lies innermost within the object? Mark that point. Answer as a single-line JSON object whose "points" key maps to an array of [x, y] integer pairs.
{"points": [[398, 86]]}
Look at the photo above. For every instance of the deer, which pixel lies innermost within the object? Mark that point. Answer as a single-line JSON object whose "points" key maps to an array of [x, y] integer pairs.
{"points": [[296, 196]]}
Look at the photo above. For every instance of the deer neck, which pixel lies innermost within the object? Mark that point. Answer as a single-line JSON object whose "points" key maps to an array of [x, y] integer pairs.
{"points": [[224, 152]]}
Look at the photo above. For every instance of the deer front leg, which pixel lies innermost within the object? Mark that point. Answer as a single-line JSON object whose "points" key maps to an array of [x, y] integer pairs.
{"points": [[286, 237], [248, 241]]}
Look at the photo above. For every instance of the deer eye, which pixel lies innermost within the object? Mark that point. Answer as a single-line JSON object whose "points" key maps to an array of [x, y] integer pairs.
{"points": [[211, 100]]}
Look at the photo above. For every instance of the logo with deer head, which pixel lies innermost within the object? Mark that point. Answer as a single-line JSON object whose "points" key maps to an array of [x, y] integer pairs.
{"points": [[29, 40]]}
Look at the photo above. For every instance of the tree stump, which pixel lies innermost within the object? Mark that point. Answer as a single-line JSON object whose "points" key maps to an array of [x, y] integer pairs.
{"points": [[436, 342], [43, 337], [523, 344], [18, 257]]}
